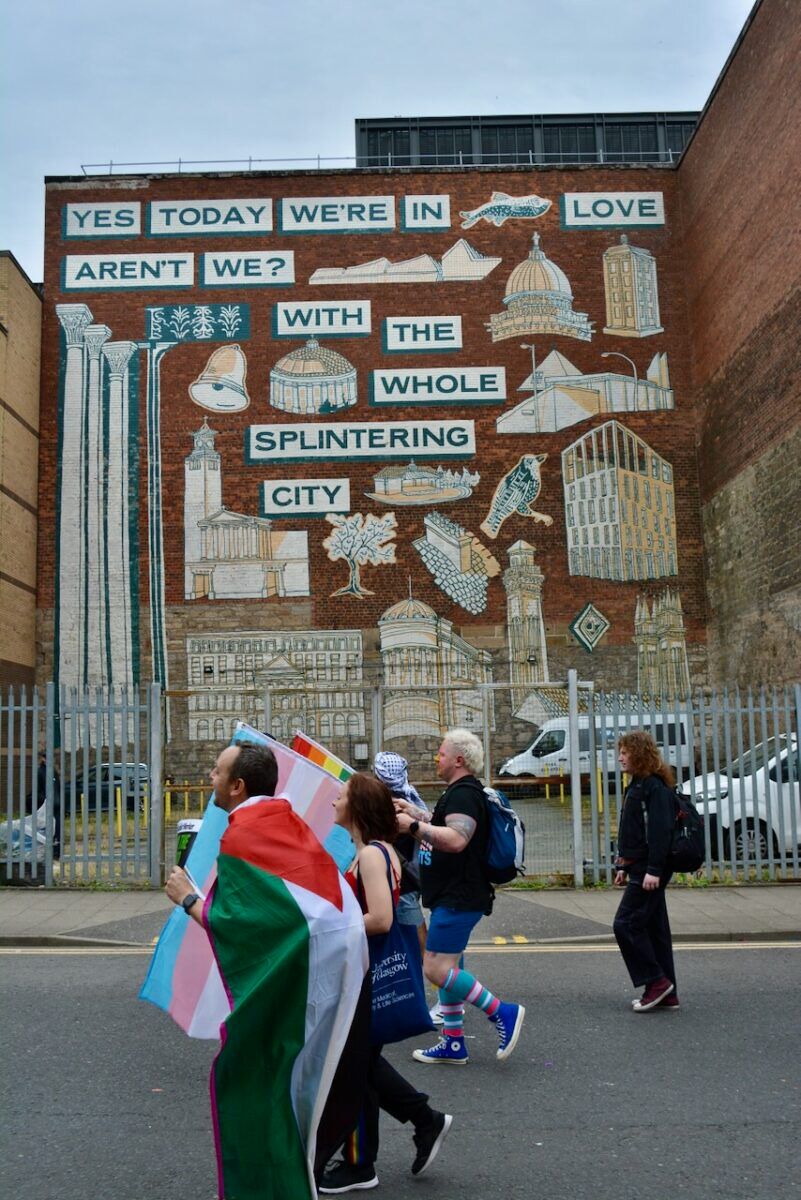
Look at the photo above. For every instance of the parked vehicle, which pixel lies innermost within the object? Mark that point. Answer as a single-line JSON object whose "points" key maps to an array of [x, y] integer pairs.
{"points": [[131, 778], [549, 753], [756, 801]]}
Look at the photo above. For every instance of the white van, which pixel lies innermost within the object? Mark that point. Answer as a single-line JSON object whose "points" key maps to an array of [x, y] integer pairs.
{"points": [[549, 753]]}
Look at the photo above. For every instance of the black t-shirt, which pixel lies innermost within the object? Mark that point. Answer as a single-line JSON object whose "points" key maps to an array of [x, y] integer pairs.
{"points": [[458, 881]]}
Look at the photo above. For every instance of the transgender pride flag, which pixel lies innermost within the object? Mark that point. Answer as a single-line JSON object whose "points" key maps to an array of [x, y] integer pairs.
{"points": [[183, 978]]}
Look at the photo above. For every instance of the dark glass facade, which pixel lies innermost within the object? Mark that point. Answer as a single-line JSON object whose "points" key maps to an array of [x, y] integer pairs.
{"points": [[539, 140]]}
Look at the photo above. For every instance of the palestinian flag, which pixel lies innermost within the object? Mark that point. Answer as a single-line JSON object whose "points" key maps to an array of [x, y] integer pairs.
{"points": [[288, 937]]}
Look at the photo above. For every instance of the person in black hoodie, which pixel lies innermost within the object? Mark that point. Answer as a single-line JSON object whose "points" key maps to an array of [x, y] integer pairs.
{"points": [[641, 923]]}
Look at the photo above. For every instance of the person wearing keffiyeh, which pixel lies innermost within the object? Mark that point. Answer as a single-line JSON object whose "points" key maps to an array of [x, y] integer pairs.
{"points": [[392, 769]]}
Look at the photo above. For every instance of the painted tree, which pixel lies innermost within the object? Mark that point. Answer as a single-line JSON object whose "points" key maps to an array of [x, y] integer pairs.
{"points": [[360, 540]]}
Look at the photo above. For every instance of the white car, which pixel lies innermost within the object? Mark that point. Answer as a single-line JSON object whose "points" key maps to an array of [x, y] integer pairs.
{"points": [[756, 800]]}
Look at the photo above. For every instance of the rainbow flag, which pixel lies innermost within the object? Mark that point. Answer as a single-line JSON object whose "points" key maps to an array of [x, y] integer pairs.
{"points": [[318, 754], [183, 978]]}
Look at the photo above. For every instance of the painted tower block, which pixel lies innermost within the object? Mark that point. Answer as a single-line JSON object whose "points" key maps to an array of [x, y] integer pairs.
{"points": [[632, 297], [525, 630], [74, 319], [619, 507]]}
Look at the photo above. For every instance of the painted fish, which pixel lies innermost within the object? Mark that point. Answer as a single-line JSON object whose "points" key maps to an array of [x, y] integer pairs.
{"points": [[501, 206]]}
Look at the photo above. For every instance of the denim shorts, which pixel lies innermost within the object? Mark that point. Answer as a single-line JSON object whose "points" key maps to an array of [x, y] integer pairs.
{"points": [[449, 931], [409, 910]]}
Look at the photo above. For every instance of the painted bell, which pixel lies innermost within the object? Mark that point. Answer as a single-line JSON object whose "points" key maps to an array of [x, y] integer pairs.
{"points": [[221, 386]]}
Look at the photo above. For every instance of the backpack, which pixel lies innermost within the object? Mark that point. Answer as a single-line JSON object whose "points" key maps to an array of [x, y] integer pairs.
{"points": [[687, 850], [506, 839], [687, 847]]}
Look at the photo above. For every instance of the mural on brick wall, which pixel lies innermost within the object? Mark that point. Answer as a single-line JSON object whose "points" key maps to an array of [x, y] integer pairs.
{"points": [[313, 675], [360, 541], [461, 263], [564, 396], [230, 555], [461, 566], [501, 206], [419, 648], [516, 493], [330, 502]]}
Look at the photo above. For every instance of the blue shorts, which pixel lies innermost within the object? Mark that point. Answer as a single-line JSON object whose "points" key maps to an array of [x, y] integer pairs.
{"points": [[449, 931], [408, 910]]}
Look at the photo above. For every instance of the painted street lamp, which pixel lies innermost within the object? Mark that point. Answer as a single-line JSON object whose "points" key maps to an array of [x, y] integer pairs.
{"points": [[632, 364]]}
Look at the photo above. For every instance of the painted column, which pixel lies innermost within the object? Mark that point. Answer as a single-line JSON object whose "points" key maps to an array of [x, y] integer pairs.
{"points": [[119, 600], [158, 637], [71, 582], [96, 658]]}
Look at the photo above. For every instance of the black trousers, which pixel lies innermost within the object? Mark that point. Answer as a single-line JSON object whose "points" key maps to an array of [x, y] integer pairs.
{"points": [[387, 1089], [642, 930]]}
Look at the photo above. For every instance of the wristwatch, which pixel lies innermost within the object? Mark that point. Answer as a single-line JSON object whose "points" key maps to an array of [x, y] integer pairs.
{"points": [[415, 825], [188, 901]]}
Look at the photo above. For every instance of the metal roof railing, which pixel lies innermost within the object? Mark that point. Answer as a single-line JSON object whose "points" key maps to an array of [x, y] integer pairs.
{"points": [[459, 159]]}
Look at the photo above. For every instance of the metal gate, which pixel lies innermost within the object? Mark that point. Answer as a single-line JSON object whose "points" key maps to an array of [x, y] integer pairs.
{"points": [[736, 754], [81, 785]]}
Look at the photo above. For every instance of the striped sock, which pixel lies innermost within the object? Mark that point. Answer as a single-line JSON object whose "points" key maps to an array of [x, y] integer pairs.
{"points": [[452, 1010], [466, 987]]}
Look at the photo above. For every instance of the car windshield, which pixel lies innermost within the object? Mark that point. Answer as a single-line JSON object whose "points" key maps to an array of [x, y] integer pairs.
{"points": [[548, 743], [755, 759]]}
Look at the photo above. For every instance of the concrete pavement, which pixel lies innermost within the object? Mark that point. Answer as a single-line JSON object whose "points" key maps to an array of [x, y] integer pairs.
{"points": [[35, 916]]}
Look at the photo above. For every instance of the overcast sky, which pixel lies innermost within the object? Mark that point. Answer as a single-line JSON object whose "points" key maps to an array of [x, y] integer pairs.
{"points": [[85, 81]]}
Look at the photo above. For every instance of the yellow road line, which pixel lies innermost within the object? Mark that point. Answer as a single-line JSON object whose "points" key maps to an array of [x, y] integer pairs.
{"points": [[528, 948]]}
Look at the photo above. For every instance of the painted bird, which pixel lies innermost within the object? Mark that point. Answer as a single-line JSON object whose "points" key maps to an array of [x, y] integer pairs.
{"points": [[515, 493]]}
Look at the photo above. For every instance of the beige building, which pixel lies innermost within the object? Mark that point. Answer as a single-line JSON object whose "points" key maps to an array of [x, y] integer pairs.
{"points": [[312, 678], [662, 667], [430, 673], [632, 298], [619, 507], [20, 335]]}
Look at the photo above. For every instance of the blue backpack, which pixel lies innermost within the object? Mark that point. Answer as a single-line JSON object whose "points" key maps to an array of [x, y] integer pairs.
{"points": [[506, 839]]}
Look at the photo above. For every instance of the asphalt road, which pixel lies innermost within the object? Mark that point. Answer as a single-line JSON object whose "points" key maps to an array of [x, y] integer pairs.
{"points": [[105, 1099]]}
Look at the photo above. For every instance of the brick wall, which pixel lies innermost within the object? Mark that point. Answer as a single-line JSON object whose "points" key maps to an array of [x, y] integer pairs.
{"points": [[740, 181], [20, 319], [578, 253]]}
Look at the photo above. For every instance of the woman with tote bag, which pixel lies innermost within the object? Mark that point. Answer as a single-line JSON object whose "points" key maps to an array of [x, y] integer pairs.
{"points": [[365, 809]]}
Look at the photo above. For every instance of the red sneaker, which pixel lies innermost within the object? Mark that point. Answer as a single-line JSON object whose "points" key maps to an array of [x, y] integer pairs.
{"points": [[671, 1002], [653, 995]]}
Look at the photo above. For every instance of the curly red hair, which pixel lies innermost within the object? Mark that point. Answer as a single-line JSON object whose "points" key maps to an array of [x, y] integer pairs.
{"points": [[644, 756]]}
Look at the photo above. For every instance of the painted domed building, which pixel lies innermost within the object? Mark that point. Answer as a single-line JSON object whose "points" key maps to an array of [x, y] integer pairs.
{"points": [[538, 300], [312, 379], [420, 650]]}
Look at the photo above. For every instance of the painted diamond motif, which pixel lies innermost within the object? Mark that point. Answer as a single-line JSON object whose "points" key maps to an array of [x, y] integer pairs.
{"points": [[589, 626]]}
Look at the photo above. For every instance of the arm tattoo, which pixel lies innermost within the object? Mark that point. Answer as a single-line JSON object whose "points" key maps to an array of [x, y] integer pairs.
{"points": [[464, 825]]}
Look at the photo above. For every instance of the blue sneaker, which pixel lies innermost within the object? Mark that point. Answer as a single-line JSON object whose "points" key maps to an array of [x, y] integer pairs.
{"points": [[509, 1021], [451, 1051]]}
